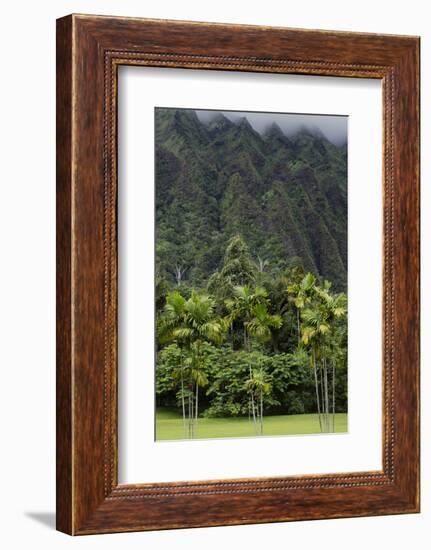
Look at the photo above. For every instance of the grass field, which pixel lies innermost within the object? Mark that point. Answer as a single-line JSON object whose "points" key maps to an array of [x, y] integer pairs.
{"points": [[169, 425]]}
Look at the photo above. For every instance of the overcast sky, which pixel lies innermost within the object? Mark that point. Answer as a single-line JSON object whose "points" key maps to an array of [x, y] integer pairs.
{"points": [[333, 127]]}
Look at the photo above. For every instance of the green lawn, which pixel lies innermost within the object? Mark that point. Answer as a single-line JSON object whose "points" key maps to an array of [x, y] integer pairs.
{"points": [[169, 425]]}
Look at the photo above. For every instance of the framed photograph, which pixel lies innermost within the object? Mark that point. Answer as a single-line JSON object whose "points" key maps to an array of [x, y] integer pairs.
{"points": [[237, 274]]}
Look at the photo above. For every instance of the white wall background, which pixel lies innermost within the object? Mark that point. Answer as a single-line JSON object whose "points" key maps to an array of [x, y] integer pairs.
{"points": [[27, 239]]}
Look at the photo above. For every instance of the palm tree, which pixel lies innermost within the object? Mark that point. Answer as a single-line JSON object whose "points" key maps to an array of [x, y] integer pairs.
{"points": [[262, 322], [172, 316], [257, 386], [319, 325], [312, 335], [261, 326], [300, 294], [172, 319], [199, 324], [189, 323], [199, 378], [241, 306], [335, 307], [250, 306]]}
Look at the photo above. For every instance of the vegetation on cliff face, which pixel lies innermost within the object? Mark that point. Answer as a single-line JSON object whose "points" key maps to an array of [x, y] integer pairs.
{"points": [[286, 197]]}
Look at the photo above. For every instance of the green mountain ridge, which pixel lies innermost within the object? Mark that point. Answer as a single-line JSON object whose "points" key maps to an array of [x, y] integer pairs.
{"points": [[286, 196]]}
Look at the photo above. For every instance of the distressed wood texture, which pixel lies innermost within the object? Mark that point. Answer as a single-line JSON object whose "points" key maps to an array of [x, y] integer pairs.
{"points": [[89, 498]]}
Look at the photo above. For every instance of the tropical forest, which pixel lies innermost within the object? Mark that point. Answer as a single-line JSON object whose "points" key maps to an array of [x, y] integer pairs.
{"points": [[251, 278]]}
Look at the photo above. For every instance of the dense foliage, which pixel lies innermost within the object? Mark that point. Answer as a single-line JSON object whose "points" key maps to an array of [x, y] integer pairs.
{"points": [[250, 229], [252, 344], [286, 197]]}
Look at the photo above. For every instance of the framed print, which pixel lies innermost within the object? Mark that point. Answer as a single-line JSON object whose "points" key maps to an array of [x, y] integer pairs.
{"points": [[237, 274]]}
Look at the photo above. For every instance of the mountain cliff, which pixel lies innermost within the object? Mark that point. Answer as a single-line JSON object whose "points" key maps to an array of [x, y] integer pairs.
{"points": [[286, 196]]}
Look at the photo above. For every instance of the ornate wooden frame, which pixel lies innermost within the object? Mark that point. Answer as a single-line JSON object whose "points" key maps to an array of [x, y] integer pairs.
{"points": [[89, 51]]}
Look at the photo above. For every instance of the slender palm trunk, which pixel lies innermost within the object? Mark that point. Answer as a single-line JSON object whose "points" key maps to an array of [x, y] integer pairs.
{"points": [[322, 395], [191, 426], [252, 401], [316, 383], [183, 404], [253, 406], [261, 410], [197, 408], [254, 412], [325, 372]]}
